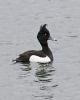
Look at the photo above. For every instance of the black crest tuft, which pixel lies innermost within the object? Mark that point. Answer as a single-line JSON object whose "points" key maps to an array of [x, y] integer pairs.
{"points": [[43, 27]]}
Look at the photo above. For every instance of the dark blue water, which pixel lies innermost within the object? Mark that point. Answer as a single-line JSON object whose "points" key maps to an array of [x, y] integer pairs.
{"points": [[19, 24]]}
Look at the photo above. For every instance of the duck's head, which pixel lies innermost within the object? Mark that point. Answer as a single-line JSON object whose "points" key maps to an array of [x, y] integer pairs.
{"points": [[43, 34]]}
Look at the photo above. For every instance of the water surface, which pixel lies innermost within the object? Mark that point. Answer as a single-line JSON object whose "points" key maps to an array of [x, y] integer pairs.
{"points": [[19, 24]]}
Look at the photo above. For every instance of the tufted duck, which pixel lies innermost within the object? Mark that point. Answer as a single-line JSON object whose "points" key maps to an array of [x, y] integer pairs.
{"points": [[42, 56]]}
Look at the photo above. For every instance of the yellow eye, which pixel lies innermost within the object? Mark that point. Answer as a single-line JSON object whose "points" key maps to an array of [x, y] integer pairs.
{"points": [[45, 34]]}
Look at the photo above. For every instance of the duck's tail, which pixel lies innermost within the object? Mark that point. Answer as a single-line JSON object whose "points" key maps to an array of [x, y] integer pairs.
{"points": [[16, 60]]}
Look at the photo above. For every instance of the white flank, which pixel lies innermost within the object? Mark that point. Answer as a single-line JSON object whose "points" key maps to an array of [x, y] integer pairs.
{"points": [[34, 58]]}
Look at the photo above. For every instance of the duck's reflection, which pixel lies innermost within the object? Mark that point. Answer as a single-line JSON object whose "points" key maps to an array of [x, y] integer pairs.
{"points": [[26, 70], [44, 74], [26, 67], [44, 71], [41, 76]]}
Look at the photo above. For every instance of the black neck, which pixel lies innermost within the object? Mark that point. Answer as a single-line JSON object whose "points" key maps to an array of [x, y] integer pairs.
{"points": [[45, 47], [47, 50]]}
